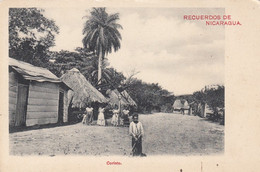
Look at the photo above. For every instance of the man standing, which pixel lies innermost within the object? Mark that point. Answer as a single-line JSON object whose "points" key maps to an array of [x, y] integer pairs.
{"points": [[136, 131]]}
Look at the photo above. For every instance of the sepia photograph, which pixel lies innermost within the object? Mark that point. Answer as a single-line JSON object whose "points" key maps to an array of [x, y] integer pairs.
{"points": [[103, 81]]}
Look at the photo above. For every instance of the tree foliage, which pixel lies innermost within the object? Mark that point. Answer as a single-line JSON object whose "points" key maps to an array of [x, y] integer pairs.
{"points": [[214, 98], [65, 60], [31, 35], [149, 97], [101, 31]]}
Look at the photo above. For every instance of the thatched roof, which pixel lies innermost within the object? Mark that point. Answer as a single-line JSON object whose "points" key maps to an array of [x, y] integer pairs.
{"points": [[177, 104], [186, 105], [83, 91], [181, 104], [125, 98], [128, 98]]}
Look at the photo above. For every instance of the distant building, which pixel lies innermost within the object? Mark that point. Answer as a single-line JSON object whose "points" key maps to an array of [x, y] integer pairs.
{"points": [[177, 105], [204, 110], [186, 107], [181, 106]]}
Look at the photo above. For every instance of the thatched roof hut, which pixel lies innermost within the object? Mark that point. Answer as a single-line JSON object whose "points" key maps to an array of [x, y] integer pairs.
{"points": [[177, 105], [181, 104], [186, 105], [83, 91], [125, 98]]}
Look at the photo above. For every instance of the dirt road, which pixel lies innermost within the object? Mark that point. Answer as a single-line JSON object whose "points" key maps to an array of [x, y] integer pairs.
{"points": [[165, 134]]}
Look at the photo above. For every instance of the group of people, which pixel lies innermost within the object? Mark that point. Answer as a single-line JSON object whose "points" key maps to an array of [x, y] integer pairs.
{"points": [[118, 119], [136, 130], [88, 116]]}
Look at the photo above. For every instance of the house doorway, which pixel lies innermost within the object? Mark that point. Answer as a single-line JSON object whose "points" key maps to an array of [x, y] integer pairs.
{"points": [[61, 107], [21, 106]]}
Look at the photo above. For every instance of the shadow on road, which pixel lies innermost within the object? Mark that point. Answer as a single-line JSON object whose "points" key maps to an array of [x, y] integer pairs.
{"points": [[37, 127]]}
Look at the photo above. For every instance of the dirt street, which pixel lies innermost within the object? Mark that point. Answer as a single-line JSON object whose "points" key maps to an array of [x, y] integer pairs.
{"points": [[165, 134]]}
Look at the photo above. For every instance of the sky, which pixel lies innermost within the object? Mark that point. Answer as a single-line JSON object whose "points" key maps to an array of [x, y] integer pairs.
{"points": [[180, 55]]}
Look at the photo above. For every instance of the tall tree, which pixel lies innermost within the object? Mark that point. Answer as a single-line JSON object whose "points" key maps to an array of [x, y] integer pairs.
{"points": [[101, 35], [31, 34]]}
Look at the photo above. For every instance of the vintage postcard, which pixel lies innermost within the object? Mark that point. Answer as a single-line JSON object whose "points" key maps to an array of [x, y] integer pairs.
{"points": [[143, 86]]}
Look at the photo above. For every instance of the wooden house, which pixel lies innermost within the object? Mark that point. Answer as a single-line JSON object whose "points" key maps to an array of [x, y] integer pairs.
{"points": [[36, 96]]}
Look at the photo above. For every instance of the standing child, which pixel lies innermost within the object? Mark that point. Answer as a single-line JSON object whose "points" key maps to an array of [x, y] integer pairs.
{"points": [[137, 132], [84, 120]]}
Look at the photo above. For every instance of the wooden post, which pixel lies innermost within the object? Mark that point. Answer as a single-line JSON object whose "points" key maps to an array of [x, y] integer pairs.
{"points": [[119, 98]]}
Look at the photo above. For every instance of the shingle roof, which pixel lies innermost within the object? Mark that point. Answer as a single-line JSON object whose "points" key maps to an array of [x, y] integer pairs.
{"points": [[31, 72]]}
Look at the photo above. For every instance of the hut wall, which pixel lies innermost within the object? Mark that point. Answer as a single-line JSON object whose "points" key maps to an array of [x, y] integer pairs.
{"points": [[65, 104], [202, 110], [186, 112], [66, 107], [13, 86], [43, 100]]}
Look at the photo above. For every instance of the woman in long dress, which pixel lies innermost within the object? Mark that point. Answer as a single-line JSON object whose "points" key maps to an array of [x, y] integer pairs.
{"points": [[101, 117], [89, 111], [115, 116], [126, 116]]}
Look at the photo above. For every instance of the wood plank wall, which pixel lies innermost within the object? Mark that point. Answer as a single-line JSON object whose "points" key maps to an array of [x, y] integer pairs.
{"points": [[13, 86], [43, 101], [65, 105]]}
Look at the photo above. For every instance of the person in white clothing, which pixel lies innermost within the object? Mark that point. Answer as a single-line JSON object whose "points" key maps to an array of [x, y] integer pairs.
{"points": [[84, 120], [101, 117], [137, 132], [115, 116]]}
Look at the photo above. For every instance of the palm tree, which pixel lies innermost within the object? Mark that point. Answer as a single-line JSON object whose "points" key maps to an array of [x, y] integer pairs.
{"points": [[111, 79], [101, 35], [90, 71]]}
